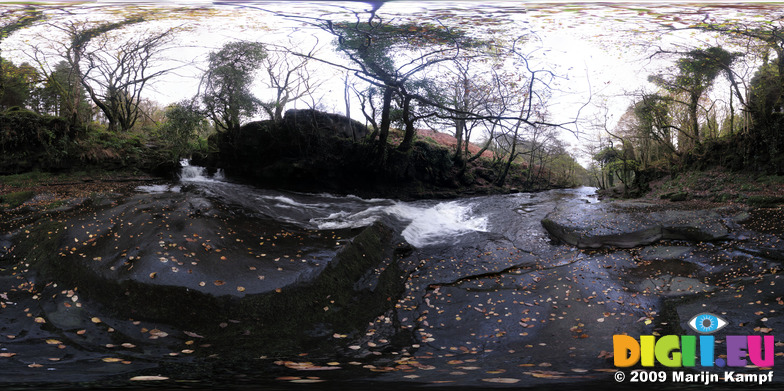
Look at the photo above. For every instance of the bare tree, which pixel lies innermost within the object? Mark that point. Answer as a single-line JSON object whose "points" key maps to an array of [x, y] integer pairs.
{"points": [[289, 77], [115, 74]]}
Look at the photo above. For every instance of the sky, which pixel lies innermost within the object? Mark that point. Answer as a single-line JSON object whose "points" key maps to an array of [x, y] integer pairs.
{"points": [[600, 50]]}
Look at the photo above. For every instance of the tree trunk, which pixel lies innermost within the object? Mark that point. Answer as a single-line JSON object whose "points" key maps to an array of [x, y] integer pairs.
{"points": [[695, 123], [408, 138], [512, 155], [459, 131], [383, 131]]}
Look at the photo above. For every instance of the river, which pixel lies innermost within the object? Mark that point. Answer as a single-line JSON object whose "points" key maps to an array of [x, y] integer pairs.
{"points": [[205, 281]]}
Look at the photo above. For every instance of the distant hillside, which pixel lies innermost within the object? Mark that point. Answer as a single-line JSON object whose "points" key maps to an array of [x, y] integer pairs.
{"points": [[450, 141]]}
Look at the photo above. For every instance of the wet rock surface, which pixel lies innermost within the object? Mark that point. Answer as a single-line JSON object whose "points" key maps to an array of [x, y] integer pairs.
{"points": [[631, 224], [105, 292]]}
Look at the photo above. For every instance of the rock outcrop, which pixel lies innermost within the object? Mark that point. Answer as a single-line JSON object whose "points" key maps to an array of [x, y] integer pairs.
{"points": [[330, 124], [631, 224]]}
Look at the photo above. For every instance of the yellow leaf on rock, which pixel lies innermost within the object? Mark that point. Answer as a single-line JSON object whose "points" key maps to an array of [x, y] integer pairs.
{"points": [[502, 380], [96, 319], [111, 359]]}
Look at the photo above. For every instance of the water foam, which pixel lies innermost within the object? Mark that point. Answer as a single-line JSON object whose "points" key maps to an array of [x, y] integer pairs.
{"points": [[438, 224]]}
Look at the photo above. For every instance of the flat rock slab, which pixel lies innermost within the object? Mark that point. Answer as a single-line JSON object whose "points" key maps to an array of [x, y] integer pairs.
{"points": [[182, 240], [631, 224], [665, 253]]}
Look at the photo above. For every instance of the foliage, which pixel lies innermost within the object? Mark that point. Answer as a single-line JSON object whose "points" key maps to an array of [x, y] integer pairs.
{"points": [[53, 96], [182, 129], [389, 54], [17, 84], [618, 163], [766, 93], [28, 140], [227, 98]]}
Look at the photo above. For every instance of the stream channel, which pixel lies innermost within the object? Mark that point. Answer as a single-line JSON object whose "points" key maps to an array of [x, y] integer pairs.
{"points": [[208, 283]]}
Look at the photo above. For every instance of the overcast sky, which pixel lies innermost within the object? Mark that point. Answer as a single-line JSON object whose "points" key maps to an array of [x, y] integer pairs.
{"points": [[591, 45]]}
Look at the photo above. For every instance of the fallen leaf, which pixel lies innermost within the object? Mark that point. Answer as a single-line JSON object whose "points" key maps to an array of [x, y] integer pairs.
{"points": [[194, 335], [149, 378], [502, 380]]}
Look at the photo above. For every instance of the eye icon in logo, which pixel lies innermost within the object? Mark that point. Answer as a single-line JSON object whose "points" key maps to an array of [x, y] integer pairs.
{"points": [[707, 323]]}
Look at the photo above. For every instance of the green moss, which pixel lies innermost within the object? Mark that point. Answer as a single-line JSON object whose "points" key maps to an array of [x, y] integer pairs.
{"points": [[749, 187], [763, 201], [12, 200], [56, 204], [25, 179]]}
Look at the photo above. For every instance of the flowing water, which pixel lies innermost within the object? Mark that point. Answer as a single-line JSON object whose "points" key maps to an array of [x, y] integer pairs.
{"points": [[422, 223]]}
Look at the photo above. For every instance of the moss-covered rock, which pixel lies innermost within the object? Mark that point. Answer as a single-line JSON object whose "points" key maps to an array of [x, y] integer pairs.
{"points": [[29, 140]]}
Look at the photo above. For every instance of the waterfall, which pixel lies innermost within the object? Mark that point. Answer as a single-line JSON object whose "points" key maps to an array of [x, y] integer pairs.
{"points": [[191, 173]]}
